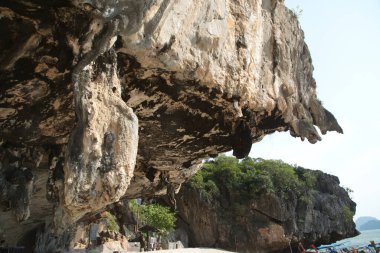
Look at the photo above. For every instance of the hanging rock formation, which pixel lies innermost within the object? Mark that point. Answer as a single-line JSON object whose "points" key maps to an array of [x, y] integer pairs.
{"points": [[105, 99]]}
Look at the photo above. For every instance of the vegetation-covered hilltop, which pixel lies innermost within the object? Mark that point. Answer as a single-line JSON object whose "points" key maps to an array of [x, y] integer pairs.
{"points": [[236, 180], [256, 204]]}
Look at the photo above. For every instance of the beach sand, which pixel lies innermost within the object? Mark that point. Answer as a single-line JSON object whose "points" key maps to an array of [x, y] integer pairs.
{"points": [[192, 250]]}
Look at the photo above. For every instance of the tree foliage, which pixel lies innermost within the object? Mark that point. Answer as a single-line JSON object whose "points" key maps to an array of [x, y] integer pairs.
{"points": [[233, 183], [240, 180], [155, 215]]}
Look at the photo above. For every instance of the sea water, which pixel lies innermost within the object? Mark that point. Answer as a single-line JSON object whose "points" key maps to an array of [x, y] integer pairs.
{"points": [[364, 238]]}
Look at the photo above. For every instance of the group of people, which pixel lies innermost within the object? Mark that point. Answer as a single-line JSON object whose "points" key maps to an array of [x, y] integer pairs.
{"points": [[148, 245]]}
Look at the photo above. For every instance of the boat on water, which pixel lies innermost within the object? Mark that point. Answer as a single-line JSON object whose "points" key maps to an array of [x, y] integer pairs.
{"points": [[344, 248]]}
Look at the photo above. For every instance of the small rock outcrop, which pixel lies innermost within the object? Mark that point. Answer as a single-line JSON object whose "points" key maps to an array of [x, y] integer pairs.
{"points": [[107, 99], [240, 215]]}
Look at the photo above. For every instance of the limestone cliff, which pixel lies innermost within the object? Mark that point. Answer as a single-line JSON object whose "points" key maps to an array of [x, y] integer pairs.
{"points": [[239, 215], [101, 99]]}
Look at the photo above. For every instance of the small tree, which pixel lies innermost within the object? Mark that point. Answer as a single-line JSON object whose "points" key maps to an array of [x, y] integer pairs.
{"points": [[349, 191], [155, 215], [298, 11]]}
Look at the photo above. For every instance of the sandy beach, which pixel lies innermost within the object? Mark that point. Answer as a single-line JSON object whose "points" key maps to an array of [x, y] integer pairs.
{"points": [[193, 250]]}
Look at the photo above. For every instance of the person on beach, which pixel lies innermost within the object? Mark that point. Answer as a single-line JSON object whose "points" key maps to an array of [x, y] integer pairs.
{"points": [[301, 248], [374, 246]]}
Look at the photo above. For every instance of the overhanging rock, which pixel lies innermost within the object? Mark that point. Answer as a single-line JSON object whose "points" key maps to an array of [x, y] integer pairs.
{"points": [[106, 99]]}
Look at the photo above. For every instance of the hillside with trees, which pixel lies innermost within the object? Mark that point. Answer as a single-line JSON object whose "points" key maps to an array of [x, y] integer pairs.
{"points": [[255, 204]]}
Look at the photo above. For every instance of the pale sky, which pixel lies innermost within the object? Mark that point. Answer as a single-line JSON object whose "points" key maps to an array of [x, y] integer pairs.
{"points": [[344, 40]]}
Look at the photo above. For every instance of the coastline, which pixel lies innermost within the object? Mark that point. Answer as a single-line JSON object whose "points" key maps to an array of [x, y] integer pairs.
{"points": [[364, 237]]}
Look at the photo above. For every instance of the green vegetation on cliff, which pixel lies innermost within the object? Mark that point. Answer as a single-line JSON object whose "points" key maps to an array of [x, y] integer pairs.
{"points": [[261, 205], [240, 180], [347, 214], [112, 222]]}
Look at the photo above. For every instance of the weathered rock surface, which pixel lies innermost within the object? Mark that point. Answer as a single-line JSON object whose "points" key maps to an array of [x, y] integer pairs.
{"points": [[269, 222], [106, 99], [103, 146]]}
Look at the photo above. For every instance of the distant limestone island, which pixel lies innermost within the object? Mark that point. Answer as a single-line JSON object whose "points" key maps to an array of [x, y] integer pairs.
{"points": [[367, 223]]}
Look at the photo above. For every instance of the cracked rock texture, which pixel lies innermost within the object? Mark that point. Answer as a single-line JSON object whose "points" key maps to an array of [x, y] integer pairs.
{"points": [[107, 99], [102, 149]]}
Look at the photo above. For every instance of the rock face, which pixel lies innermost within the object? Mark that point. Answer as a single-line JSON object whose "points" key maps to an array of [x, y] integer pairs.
{"points": [[104, 99], [103, 147], [268, 222]]}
